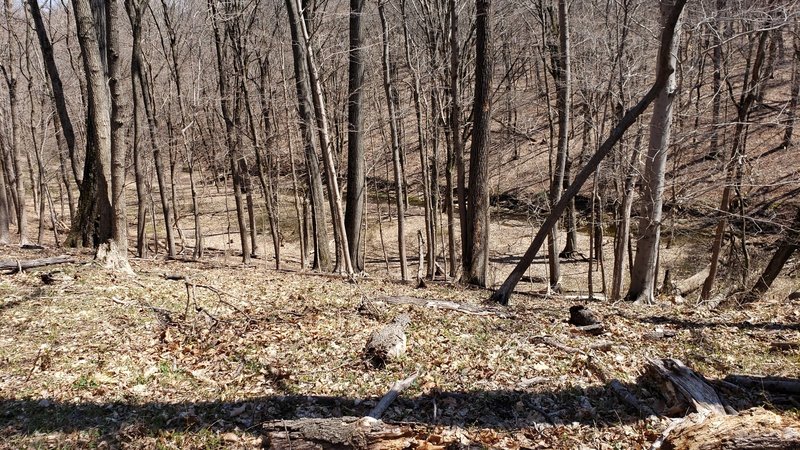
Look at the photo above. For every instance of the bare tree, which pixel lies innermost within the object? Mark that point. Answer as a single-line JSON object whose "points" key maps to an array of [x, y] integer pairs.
{"points": [[356, 177], [475, 251], [395, 143], [643, 273], [503, 294]]}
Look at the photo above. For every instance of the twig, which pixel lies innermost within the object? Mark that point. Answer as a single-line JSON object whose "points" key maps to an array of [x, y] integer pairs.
{"points": [[35, 361], [220, 293], [390, 396]]}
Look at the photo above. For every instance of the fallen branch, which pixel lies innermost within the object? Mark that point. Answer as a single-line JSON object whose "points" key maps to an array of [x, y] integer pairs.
{"points": [[389, 397], [14, 266], [445, 304], [693, 283]]}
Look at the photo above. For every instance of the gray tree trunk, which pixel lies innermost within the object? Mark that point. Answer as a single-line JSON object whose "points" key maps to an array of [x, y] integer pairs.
{"points": [[643, 273], [563, 89], [322, 259], [395, 141]]}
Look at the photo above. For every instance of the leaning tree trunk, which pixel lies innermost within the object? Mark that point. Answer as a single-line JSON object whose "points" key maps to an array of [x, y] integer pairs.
{"points": [[56, 87], [321, 115], [395, 139], [643, 273], [354, 209], [503, 294], [322, 259], [475, 251], [786, 248], [747, 98]]}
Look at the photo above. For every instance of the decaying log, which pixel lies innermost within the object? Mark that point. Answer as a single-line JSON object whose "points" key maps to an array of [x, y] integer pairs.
{"points": [[692, 387], [13, 266], [659, 334], [355, 433], [398, 387], [754, 429], [345, 432], [445, 304], [775, 385]]}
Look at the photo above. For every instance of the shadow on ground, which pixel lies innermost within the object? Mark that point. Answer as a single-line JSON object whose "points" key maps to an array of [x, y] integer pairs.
{"points": [[121, 421]]}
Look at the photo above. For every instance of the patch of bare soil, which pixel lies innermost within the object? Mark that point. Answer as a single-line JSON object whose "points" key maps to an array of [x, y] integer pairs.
{"points": [[90, 358]]}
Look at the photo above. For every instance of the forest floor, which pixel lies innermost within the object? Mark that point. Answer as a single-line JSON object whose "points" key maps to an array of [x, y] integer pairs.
{"points": [[104, 360]]}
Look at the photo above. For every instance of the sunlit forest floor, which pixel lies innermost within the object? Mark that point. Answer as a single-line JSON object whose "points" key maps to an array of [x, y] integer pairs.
{"points": [[105, 360]]}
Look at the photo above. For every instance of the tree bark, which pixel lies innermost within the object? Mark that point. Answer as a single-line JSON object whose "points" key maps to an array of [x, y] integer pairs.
{"points": [[356, 177], [643, 273], [322, 260], [503, 294], [475, 251], [563, 99], [321, 115]]}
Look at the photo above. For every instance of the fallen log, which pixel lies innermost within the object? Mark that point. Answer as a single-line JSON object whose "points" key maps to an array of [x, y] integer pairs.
{"points": [[14, 266], [777, 385], [345, 432], [355, 433], [445, 304], [753, 429], [692, 283]]}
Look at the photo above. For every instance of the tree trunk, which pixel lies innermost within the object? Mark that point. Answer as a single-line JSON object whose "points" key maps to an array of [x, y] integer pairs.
{"points": [[16, 145], [105, 120], [395, 143], [563, 99], [322, 260], [503, 294], [747, 98], [786, 248], [791, 113], [457, 144], [430, 230], [624, 229], [230, 103], [475, 251], [334, 194], [356, 188], [643, 275], [59, 99]]}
